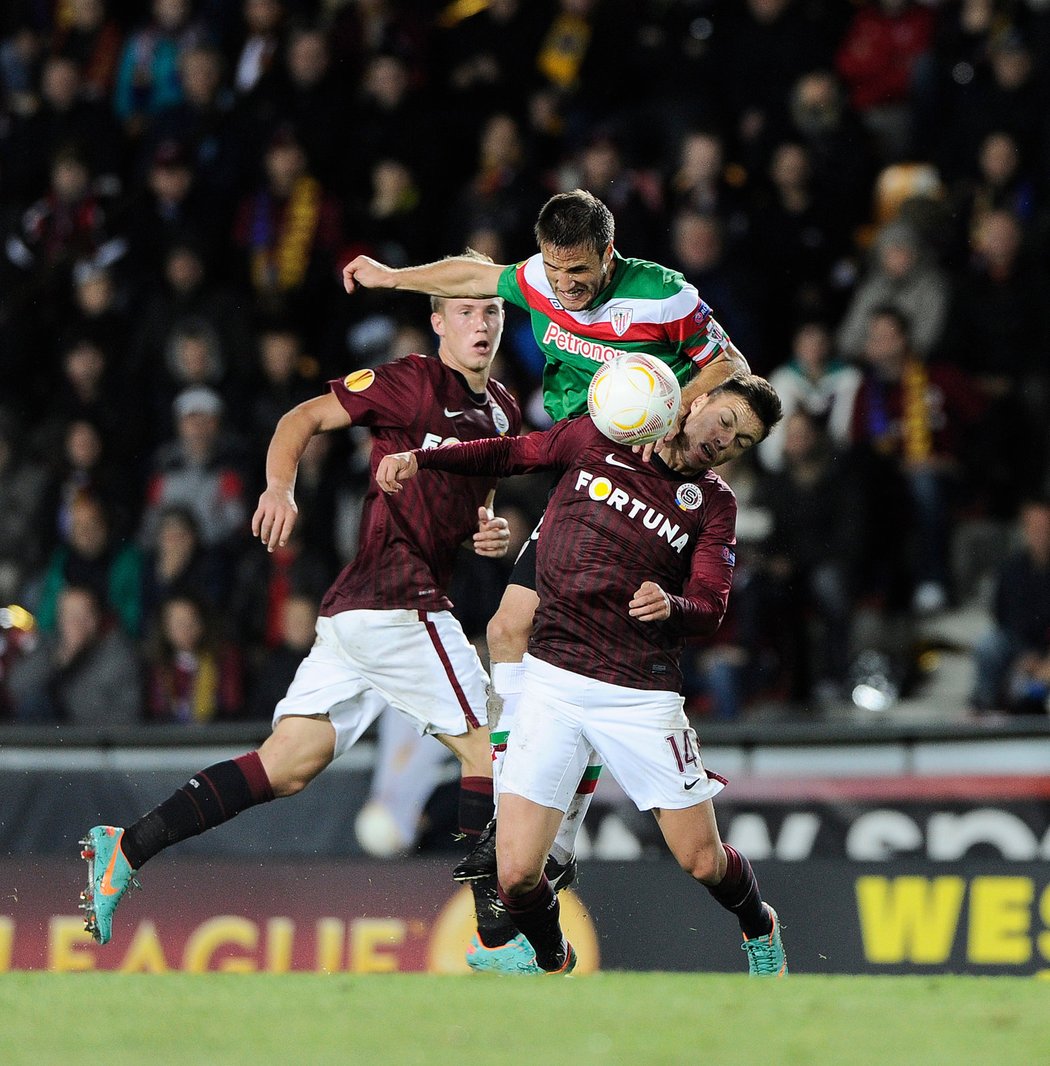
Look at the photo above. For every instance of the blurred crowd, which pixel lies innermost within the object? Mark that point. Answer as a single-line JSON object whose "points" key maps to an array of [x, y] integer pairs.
{"points": [[861, 191]]}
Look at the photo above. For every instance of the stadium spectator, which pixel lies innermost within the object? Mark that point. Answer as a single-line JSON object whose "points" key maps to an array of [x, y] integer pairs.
{"points": [[816, 382], [307, 93], [169, 208], [260, 45], [801, 249], [909, 424], [905, 275], [85, 672], [82, 462], [998, 331], [1012, 658], [503, 191], [23, 483], [92, 38], [89, 555], [187, 291], [698, 250], [210, 130], [177, 561], [840, 149], [702, 180], [812, 556], [65, 120], [268, 681], [148, 73], [760, 48], [263, 584], [877, 58], [200, 468], [192, 676], [288, 234]]}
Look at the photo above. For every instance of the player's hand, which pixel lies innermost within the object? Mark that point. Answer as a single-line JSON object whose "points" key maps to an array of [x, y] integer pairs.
{"points": [[367, 273], [274, 518], [493, 536], [395, 468], [650, 603]]}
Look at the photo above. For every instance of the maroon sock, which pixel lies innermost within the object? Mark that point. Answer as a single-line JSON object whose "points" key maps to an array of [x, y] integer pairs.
{"points": [[213, 796], [475, 806], [738, 892], [537, 915]]}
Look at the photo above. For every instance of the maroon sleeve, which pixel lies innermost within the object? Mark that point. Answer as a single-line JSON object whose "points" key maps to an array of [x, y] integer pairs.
{"points": [[700, 610], [549, 449], [385, 396]]}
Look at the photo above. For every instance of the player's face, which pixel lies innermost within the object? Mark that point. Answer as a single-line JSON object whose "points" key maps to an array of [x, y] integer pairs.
{"points": [[576, 275], [716, 428], [470, 332]]}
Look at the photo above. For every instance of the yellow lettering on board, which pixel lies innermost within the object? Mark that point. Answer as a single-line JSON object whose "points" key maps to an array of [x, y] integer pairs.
{"points": [[280, 934], [66, 937], [909, 918], [145, 955], [369, 937], [7, 943], [331, 935], [1000, 920], [216, 933]]}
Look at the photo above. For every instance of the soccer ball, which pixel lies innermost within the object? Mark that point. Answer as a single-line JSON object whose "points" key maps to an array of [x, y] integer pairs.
{"points": [[634, 399]]}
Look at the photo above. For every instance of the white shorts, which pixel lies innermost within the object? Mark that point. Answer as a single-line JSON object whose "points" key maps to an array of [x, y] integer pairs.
{"points": [[418, 662], [643, 738]]}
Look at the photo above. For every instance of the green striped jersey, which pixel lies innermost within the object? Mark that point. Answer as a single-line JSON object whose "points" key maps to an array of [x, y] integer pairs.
{"points": [[645, 308]]}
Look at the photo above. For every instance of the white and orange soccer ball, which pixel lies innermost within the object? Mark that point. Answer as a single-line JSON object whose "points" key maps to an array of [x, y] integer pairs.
{"points": [[634, 399]]}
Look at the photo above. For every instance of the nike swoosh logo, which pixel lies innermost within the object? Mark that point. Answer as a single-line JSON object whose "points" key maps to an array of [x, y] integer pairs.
{"points": [[613, 461], [106, 886], [452, 414], [690, 784]]}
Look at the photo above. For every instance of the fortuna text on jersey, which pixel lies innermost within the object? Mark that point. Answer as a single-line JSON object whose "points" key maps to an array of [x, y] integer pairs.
{"points": [[602, 490]]}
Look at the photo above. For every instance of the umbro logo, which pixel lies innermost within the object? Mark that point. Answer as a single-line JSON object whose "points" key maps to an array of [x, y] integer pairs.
{"points": [[613, 461]]}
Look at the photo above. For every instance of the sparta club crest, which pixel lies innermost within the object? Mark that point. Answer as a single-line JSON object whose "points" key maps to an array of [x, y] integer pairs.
{"points": [[688, 496]]}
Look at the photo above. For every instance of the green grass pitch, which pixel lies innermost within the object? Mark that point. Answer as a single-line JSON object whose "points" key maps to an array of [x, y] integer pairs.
{"points": [[617, 1019]]}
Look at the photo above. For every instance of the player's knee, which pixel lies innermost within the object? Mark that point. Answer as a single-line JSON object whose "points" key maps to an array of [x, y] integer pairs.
{"points": [[518, 878], [290, 772], [292, 780], [706, 864], [507, 635]]}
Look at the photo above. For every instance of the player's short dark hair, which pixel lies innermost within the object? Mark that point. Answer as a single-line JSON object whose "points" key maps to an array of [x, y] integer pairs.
{"points": [[576, 219], [437, 303], [761, 397]]}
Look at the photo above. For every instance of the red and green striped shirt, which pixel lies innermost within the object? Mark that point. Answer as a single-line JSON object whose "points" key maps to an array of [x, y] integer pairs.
{"points": [[645, 308]]}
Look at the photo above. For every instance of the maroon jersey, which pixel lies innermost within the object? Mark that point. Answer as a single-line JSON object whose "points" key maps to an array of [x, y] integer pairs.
{"points": [[613, 522], [408, 542]]}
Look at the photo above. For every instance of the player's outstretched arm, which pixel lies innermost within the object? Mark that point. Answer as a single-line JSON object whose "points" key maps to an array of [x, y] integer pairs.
{"points": [[457, 276], [276, 514], [394, 469], [650, 603]]}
